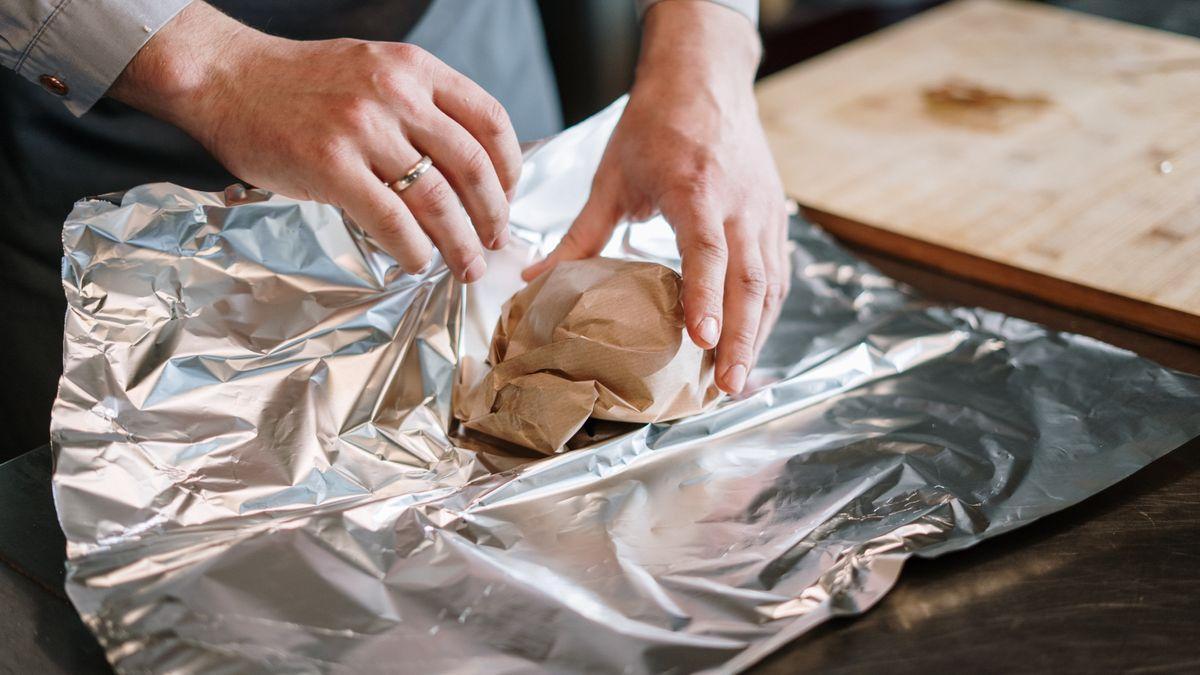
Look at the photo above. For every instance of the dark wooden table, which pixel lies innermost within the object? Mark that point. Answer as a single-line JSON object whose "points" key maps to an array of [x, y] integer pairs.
{"points": [[1112, 584]]}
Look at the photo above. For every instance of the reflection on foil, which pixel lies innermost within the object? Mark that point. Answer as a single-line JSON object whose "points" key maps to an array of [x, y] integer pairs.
{"points": [[256, 469]]}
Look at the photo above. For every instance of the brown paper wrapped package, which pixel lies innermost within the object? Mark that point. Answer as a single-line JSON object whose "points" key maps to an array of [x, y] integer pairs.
{"points": [[596, 338]]}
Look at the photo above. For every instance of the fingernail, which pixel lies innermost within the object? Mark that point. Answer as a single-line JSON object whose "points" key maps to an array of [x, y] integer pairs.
{"points": [[475, 270], [735, 377], [708, 332], [511, 193], [501, 240]]}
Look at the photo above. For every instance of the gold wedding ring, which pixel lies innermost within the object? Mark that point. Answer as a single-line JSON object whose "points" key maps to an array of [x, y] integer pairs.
{"points": [[414, 174]]}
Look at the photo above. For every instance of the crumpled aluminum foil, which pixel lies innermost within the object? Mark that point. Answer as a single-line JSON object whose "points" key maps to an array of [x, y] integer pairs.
{"points": [[256, 469]]}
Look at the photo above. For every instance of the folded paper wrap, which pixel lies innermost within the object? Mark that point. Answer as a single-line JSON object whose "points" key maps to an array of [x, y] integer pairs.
{"points": [[599, 338]]}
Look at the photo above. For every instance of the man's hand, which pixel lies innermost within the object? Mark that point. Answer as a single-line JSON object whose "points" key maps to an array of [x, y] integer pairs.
{"points": [[332, 121], [690, 146]]}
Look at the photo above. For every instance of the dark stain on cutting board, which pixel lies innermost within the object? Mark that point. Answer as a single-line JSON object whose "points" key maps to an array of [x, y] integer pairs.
{"points": [[964, 103], [955, 102]]}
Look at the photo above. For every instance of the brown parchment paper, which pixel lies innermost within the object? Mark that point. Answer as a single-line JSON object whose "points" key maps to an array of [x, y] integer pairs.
{"points": [[599, 338]]}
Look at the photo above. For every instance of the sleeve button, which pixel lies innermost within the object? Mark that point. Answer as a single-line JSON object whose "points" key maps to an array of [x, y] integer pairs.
{"points": [[54, 85]]}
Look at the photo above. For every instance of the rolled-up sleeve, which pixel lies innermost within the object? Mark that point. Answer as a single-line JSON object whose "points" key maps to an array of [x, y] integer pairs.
{"points": [[75, 49], [748, 8]]}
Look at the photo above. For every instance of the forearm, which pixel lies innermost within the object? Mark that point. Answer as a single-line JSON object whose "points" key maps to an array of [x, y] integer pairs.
{"points": [[698, 43], [181, 72]]}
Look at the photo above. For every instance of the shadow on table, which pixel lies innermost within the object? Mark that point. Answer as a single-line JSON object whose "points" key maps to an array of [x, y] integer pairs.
{"points": [[1109, 584]]}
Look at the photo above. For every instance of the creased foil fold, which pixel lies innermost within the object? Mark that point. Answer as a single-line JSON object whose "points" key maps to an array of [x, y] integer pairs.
{"points": [[257, 471]]}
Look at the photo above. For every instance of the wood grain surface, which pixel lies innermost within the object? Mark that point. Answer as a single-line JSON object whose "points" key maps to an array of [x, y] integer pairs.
{"points": [[1032, 148]]}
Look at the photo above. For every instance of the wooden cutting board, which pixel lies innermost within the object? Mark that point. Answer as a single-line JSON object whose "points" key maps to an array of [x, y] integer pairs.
{"points": [[1045, 151]]}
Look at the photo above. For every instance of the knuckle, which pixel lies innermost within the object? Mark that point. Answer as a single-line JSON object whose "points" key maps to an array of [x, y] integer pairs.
{"points": [[692, 199], [700, 172], [575, 243], [494, 217], [738, 350], [389, 84], [706, 289], [572, 238], [493, 117], [476, 165], [744, 338], [460, 253], [575, 239], [437, 199], [708, 247], [689, 205], [394, 70], [409, 53], [391, 230], [512, 176], [360, 49], [391, 225], [419, 259], [776, 291], [752, 281], [356, 114], [400, 94]]}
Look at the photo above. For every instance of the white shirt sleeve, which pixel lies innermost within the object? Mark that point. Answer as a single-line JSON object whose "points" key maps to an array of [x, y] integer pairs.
{"points": [[747, 8]]}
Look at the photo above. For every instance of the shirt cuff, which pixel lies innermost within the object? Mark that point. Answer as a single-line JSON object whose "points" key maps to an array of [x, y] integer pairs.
{"points": [[81, 47], [747, 8]]}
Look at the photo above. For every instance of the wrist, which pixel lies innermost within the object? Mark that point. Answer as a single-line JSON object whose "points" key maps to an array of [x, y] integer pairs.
{"points": [[698, 43], [182, 74]]}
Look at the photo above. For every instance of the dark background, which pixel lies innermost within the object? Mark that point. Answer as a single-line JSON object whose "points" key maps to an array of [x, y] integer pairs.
{"points": [[593, 43]]}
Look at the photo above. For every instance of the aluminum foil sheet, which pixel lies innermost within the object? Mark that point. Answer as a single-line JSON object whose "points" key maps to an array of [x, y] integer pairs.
{"points": [[257, 470]]}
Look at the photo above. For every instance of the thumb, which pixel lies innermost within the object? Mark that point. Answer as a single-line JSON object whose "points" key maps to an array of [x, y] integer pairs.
{"points": [[585, 238]]}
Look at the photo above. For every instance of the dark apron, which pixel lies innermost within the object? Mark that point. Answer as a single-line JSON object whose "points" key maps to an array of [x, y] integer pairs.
{"points": [[49, 158]]}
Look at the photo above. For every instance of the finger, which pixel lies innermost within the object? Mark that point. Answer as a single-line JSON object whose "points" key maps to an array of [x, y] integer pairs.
{"points": [[438, 212], [377, 209], [702, 248], [435, 207], [784, 251], [586, 237], [470, 171], [745, 290], [484, 118], [775, 267]]}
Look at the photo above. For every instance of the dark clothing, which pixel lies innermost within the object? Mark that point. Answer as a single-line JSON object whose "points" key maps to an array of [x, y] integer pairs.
{"points": [[49, 159]]}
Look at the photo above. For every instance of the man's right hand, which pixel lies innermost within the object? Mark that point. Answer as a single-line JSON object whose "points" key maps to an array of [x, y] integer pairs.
{"points": [[332, 121]]}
